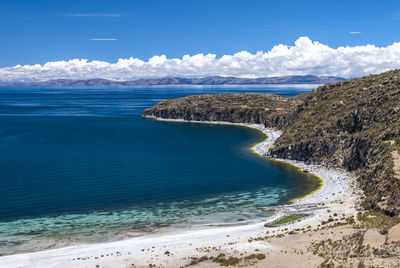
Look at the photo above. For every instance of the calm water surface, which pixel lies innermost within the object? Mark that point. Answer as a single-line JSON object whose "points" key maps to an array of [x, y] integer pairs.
{"points": [[80, 164]]}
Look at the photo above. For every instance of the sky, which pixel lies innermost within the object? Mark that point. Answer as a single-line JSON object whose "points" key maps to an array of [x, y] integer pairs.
{"points": [[119, 39]]}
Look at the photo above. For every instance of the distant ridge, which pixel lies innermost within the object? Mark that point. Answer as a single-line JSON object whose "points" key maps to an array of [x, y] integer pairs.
{"points": [[210, 80]]}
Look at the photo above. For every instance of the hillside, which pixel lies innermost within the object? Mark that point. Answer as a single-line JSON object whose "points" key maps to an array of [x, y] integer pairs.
{"points": [[211, 80], [352, 124]]}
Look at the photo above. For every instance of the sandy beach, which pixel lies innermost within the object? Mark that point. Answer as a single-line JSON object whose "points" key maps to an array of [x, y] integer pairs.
{"points": [[335, 200]]}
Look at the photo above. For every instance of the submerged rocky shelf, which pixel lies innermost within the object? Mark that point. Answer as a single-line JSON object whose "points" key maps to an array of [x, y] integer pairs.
{"points": [[353, 124]]}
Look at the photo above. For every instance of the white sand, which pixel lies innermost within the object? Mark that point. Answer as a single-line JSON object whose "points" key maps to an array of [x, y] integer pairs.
{"points": [[337, 195]]}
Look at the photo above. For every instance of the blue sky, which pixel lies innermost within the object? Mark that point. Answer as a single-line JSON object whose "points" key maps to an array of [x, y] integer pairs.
{"points": [[36, 31], [40, 31]]}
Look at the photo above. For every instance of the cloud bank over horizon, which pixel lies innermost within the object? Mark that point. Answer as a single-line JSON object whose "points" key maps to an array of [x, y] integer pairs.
{"points": [[304, 58]]}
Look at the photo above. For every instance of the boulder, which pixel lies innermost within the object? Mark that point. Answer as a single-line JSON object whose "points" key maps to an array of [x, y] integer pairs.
{"points": [[374, 238], [394, 234]]}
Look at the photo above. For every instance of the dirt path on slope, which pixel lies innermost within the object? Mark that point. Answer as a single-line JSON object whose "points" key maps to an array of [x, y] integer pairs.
{"points": [[396, 161]]}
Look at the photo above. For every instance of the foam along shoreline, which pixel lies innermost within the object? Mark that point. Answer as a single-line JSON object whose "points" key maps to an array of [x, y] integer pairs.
{"points": [[337, 194]]}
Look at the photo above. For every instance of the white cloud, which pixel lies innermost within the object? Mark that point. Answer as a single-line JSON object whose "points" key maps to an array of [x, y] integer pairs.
{"points": [[305, 57], [103, 39], [95, 15], [354, 32]]}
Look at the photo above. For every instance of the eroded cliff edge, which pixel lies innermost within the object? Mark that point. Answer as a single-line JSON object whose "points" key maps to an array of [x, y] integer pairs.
{"points": [[351, 124]]}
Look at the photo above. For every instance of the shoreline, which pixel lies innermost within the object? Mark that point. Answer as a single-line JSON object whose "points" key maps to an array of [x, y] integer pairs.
{"points": [[337, 194]]}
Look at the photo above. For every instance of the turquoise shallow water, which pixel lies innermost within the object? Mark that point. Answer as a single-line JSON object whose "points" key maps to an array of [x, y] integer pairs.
{"points": [[81, 165]]}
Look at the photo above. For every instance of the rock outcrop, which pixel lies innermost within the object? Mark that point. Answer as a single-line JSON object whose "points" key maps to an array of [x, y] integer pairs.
{"points": [[393, 235], [347, 124], [267, 109]]}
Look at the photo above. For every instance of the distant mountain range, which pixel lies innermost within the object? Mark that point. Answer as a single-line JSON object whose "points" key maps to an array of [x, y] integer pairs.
{"points": [[211, 80]]}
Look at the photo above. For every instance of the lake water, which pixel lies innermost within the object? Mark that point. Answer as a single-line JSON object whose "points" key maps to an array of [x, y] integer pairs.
{"points": [[79, 164]]}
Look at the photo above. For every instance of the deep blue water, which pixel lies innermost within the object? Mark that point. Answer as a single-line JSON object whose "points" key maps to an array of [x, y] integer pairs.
{"points": [[82, 161]]}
